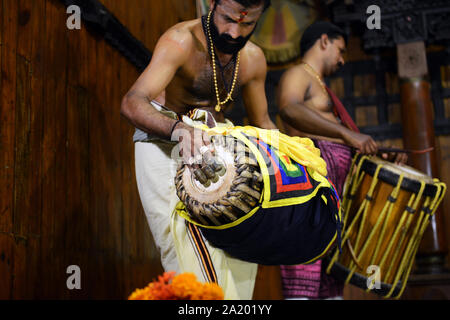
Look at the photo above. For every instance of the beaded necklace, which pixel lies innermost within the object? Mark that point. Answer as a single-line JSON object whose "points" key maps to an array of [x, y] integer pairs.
{"points": [[213, 58], [314, 73]]}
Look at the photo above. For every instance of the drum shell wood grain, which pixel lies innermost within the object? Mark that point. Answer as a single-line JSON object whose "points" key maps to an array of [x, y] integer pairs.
{"points": [[381, 194]]}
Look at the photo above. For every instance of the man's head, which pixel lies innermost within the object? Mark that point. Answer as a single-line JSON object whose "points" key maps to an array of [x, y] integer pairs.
{"points": [[326, 40], [234, 21]]}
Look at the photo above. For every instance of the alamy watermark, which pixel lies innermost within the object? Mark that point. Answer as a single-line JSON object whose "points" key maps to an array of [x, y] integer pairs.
{"points": [[74, 280], [374, 279], [374, 20], [74, 20]]}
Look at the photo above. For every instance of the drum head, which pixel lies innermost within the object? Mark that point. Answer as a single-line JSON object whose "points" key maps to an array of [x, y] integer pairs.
{"points": [[215, 191], [233, 195], [390, 173], [407, 171]]}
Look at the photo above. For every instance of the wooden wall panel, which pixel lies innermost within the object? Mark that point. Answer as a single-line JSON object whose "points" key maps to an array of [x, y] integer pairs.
{"points": [[7, 139], [154, 17], [54, 202], [77, 224], [68, 193]]}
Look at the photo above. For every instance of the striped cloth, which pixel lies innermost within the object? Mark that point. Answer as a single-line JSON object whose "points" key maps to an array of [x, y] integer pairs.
{"points": [[311, 281], [338, 158]]}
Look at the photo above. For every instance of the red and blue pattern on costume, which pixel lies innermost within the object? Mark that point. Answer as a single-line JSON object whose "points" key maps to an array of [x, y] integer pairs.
{"points": [[288, 179]]}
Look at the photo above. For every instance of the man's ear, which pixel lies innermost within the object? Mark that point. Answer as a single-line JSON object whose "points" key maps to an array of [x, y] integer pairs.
{"points": [[324, 41]]}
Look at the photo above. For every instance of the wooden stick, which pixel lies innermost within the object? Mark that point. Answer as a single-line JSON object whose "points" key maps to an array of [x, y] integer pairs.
{"points": [[398, 150]]}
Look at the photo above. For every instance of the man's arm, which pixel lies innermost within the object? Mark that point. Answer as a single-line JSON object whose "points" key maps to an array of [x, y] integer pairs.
{"points": [[293, 88], [170, 53], [253, 92]]}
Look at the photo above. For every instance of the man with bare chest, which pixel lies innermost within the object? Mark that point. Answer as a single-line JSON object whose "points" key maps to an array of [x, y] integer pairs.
{"points": [[198, 67], [182, 67], [309, 108]]}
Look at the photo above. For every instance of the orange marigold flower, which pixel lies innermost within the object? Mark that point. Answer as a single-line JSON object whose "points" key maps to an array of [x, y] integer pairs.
{"points": [[181, 287], [156, 290], [186, 287], [212, 291]]}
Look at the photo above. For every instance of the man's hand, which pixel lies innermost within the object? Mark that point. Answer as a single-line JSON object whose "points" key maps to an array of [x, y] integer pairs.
{"points": [[197, 153], [399, 158], [362, 142]]}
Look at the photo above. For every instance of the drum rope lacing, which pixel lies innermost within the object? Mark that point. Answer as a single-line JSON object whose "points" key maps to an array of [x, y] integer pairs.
{"points": [[414, 247], [406, 263], [401, 232]]}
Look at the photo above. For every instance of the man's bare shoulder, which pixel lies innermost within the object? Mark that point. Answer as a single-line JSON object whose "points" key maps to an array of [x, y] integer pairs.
{"points": [[295, 76], [186, 26], [182, 34], [252, 51], [296, 72], [253, 60]]}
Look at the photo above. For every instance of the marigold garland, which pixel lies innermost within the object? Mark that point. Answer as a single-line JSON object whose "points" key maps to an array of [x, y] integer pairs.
{"points": [[181, 287]]}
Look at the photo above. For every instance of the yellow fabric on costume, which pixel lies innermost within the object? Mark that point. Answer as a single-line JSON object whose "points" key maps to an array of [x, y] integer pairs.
{"points": [[301, 150]]}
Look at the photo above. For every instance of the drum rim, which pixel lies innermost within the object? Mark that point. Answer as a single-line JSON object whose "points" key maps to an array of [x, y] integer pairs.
{"points": [[390, 177], [341, 272]]}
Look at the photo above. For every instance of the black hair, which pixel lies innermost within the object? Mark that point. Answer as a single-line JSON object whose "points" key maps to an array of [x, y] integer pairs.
{"points": [[316, 30], [251, 3]]}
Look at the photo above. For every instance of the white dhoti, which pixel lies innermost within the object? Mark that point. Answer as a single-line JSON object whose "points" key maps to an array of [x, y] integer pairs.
{"points": [[155, 173]]}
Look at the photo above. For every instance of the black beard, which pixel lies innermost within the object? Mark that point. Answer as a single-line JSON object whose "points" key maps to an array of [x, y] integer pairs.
{"points": [[224, 42]]}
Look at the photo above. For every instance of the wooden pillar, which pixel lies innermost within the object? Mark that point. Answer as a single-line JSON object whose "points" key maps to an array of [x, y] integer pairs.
{"points": [[418, 133]]}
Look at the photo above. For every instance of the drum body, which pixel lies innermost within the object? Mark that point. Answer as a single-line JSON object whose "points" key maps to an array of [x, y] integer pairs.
{"points": [[386, 209], [237, 213]]}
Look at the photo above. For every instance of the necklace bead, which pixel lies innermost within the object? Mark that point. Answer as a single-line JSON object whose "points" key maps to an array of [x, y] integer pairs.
{"points": [[213, 58], [314, 72]]}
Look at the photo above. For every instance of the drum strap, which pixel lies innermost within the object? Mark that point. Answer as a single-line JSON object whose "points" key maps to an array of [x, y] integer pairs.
{"points": [[201, 250]]}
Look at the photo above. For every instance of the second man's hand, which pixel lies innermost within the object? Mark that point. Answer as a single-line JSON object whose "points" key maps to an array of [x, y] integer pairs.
{"points": [[365, 144], [361, 142]]}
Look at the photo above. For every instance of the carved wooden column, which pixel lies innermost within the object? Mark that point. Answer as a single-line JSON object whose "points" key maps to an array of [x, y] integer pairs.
{"points": [[418, 133]]}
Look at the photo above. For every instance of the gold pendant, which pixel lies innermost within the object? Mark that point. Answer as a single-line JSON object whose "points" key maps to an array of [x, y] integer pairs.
{"points": [[217, 108]]}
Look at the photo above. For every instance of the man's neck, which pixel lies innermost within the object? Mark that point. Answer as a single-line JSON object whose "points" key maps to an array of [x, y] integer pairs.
{"points": [[315, 62], [223, 58]]}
